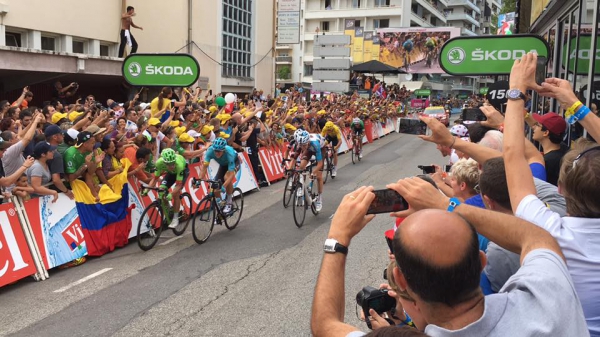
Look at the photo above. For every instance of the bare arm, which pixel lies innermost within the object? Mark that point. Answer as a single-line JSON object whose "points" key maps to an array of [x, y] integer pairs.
{"points": [[31, 131], [11, 179], [36, 183]]}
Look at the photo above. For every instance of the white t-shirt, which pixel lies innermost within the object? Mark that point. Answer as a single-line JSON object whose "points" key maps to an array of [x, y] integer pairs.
{"points": [[579, 239]]}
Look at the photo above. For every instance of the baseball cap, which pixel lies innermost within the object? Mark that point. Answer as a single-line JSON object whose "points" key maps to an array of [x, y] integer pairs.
{"points": [[95, 129], [74, 115], [71, 135], [459, 130], [4, 144], [40, 148], [113, 105], [185, 138], [224, 118], [552, 122], [154, 121], [52, 130], [57, 116], [207, 129], [83, 137], [194, 133]]}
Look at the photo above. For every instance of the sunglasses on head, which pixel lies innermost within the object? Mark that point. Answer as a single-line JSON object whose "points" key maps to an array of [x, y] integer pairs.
{"points": [[595, 148]]}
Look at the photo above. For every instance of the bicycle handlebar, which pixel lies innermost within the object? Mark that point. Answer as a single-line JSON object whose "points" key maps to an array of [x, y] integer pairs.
{"points": [[146, 187], [196, 181]]}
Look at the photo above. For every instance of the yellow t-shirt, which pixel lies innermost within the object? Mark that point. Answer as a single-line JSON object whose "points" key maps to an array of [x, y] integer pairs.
{"points": [[154, 106]]}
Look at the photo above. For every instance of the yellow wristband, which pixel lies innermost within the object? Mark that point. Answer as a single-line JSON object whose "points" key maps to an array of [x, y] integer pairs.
{"points": [[571, 111]]}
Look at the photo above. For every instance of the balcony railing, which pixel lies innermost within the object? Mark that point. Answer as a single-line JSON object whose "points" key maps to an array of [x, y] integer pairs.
{"points": [[431, 7], [424, 22], [283, 59]]}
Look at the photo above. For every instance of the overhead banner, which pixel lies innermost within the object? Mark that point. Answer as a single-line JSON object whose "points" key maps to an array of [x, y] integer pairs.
{"points": [[357, 47], [288, 22], [585, 54], [411, 47], [422, 92], [375, 48], [367, 46], [484, 91], [163, 70], [349, 30], [488, 55]]}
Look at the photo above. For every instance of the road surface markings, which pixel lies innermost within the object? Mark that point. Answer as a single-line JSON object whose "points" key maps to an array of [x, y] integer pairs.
{"points": [[85, 279], [171, 240]]}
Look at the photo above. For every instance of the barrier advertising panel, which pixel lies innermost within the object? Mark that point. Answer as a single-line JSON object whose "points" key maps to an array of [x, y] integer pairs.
{"points": [[15, 259]]}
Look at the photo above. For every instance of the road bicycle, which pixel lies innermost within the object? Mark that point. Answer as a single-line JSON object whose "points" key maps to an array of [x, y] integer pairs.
{"points": [[356, 148], [290, 184], [158, 215], [210, 210], [304, 194], [328, 163]]}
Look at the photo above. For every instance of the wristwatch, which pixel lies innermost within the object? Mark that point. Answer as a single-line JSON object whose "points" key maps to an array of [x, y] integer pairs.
{"points": [[515, 94], [332, 246]]}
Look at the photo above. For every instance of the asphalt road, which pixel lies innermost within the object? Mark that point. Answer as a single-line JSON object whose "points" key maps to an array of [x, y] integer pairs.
{"points": [[256, 280]]}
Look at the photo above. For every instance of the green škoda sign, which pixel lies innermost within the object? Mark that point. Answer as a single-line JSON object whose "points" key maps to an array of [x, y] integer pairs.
{"points": [[483, 91], [422, 92], [164, 70], [488, 55], [583, 63]]}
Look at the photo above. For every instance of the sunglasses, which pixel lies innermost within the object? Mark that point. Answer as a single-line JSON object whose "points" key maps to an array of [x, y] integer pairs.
{"points": [[596, 148]]}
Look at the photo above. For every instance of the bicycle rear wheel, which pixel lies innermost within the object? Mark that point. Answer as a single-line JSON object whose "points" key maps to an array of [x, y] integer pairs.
{"points": [[313, 206], [353, 153], [204, 220], [237, 207], [299, 206], [358, 152], [150, 226], [184, 216], [290, 184]]}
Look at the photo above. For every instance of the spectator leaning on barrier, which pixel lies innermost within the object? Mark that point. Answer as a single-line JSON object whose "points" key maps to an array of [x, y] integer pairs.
{"points": [[81, 162], [55, 137], [445, 282], [38, 175]]}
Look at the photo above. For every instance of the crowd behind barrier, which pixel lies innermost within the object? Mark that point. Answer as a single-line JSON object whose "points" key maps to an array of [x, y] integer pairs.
{"points": [[40, 234]]}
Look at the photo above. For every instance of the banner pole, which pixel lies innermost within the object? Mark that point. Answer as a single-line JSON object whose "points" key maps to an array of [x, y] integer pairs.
{"points": [[42, 273]]}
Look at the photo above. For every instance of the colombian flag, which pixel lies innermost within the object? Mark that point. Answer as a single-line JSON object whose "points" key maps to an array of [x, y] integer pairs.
{"points": [[105, 224]]}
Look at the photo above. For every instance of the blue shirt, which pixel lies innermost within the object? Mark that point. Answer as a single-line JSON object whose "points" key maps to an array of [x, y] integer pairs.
{"points": [[477, 201], [227, 159]]}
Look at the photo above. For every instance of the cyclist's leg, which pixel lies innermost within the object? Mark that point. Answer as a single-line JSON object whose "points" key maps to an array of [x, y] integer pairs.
{"points": [[334, 144], [176, 191], [220, 176]]}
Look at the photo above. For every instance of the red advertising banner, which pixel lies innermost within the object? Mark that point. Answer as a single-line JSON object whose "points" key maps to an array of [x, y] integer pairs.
{"points": [[15, 259], [270, 159], [369, 130]]}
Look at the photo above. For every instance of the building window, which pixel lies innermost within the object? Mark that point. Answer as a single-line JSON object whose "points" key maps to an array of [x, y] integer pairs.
{"points": [[237, 33], [381, 23], [325, 26], [78, 47], [48, 43], [355, 3], [357, 23], [13, 39], [382, 3], [308, 70], [104, 50], [327, 4]]}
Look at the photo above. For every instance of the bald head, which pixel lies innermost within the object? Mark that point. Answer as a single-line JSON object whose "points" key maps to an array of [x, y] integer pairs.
{"points": [[438, 254], [237, 117]]}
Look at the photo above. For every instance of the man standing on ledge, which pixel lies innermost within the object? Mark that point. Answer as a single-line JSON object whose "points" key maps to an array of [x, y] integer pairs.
{"points": [[126, 36]]}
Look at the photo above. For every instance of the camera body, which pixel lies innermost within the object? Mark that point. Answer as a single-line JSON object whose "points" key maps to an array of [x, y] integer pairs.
{"points": [[376, 299]]}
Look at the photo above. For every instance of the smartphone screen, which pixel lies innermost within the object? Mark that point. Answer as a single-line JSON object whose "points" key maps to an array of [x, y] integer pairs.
{"points": [[387, 201], [473, 115], [540, 70], [447, 168], [427, 169]]}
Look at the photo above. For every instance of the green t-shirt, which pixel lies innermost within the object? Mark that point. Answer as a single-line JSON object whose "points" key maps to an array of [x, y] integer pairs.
{"points": [[150, 164], [73, 160], [180, 166], [62, 148]]}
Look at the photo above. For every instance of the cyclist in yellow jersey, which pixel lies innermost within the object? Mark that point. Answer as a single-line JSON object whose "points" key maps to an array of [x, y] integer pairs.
{"points": [[333, 135]]}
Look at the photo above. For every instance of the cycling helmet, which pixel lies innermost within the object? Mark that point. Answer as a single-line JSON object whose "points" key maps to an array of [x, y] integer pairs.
{"points": [[459, 130], [356, 120], [168, 155], [301, 136], [219, 144], [328, 125]]}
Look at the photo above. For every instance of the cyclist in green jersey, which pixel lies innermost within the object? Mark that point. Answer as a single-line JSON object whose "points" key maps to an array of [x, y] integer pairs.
{"points": [[176, 172]]}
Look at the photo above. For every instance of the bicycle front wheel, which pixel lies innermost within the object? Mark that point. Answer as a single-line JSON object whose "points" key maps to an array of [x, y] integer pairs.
{"points": [[237, 207], [185, 213], [353, 153], [299, 206], [150, 226], [204, 220], [288, 190]]}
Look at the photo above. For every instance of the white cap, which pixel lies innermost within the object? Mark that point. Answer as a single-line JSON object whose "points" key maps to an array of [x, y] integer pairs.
{"points": [[194, 133], [72, 133]]}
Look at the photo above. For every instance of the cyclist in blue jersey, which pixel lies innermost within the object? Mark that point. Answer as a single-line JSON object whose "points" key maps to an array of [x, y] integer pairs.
{"points": [[229, 164], [309, 145]]}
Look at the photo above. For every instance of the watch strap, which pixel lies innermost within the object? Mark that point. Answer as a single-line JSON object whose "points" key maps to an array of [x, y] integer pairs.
{"points": [[454, 202], [339, 248]]}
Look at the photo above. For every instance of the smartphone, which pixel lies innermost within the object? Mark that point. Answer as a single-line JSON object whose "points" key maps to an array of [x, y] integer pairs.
{"points": [[427, 169], [473, 115], [387, 201], [210, 92], [540, 69], [447, 168]]}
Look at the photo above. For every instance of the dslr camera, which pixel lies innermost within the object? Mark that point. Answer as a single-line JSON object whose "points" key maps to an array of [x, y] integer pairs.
{"points": [[376, 299]]}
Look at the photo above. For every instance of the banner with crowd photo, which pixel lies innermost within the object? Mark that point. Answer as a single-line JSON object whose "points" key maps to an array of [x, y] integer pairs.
{"points": [[16, 261], [394, 43], [105, 224], [57, 229]]}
